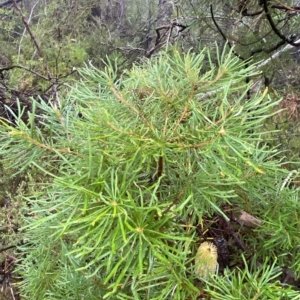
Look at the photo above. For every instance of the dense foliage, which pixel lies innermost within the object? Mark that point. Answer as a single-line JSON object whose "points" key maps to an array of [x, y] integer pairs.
{"points": [[134, 135], [137, 163]]}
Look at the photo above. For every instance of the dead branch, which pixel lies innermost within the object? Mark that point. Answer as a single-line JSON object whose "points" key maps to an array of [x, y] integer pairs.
{"points": [[163, 35], [36, 44]]}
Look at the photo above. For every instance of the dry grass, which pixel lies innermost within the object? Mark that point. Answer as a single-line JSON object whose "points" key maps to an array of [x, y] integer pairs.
{"points": [[291, 108]]}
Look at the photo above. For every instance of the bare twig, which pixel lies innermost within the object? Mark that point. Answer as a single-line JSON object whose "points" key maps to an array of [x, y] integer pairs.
{"points": [[169, 35], [277, 54], [26, 69], [36, 44], [6, 248], [274, 28], [160, 41], [24, 31], [287, 180]]}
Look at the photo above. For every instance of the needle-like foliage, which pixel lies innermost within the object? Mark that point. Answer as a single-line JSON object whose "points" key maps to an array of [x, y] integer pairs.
{"points": [[135, 162]]}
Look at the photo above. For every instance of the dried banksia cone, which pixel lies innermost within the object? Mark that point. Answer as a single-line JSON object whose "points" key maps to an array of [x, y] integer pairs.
{"points": [[206, 260]]}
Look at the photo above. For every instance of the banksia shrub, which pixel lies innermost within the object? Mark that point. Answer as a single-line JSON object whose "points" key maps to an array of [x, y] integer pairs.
{"points": [[137, 162]]}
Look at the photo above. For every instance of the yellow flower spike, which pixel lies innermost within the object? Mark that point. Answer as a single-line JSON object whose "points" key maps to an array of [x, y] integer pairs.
{"points": [[206, 260]]}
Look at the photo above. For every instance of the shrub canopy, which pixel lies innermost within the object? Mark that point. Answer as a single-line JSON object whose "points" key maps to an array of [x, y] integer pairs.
{"points": [[135, 163]]}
